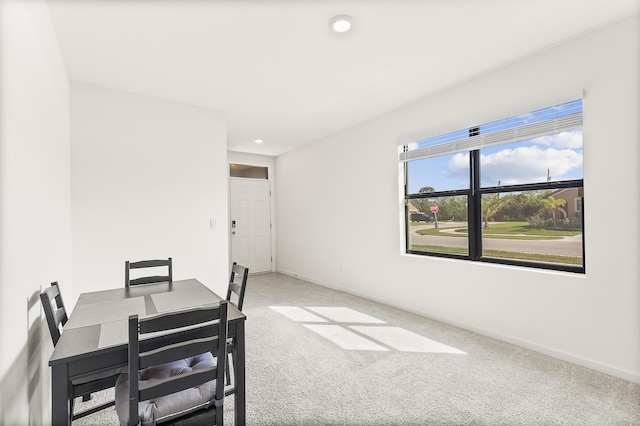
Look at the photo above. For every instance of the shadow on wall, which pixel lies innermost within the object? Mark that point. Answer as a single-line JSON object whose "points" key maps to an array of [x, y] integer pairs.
{"points": [[23, 388]]}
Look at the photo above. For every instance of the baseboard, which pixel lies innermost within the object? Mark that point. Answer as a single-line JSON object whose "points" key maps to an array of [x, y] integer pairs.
{"points": [[564, 356]]}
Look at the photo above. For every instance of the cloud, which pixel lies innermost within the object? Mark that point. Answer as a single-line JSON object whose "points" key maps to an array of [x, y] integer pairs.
{"points": [[571, 139], [528, 165], [458, 166], [520, 165], [412, 145]]}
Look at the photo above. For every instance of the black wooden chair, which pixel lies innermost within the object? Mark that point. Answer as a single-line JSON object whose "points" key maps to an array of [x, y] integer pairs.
{"points": [[235, 296], [56, 315], [128, 266], [174, 376], [235, 291]]}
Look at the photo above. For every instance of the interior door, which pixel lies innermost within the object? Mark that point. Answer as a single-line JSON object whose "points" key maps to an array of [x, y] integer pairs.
{"points": [[251, 224]]}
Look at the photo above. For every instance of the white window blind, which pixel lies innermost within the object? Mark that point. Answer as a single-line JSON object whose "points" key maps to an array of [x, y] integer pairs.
{"points": [[549, 121]]}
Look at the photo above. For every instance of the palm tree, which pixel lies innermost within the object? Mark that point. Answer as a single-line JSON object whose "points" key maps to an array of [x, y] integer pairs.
{"points": [[490, 206], [552, 203]]}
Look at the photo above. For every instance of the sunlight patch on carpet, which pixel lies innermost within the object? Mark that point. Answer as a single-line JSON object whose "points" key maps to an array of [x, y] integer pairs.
{"points": [[345, 328], [297, 314], [404, 340], [344, 338], [342, 314]]}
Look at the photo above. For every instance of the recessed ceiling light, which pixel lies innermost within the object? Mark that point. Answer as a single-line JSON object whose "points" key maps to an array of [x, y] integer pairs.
{"points": [[341, 23], [258, 140]]}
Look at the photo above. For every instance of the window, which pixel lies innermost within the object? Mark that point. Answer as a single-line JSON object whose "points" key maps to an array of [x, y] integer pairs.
{"points": [[509, 191], [247, 171]]}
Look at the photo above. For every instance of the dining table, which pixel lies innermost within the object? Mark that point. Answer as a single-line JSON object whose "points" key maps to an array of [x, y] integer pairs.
{"points": [[95, 338]]}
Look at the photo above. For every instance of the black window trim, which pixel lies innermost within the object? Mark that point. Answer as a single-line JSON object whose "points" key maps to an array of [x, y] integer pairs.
{"points": [[474, 196]]}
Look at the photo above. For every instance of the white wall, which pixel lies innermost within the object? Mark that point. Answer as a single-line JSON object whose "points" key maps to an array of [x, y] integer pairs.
{"points": [[35, 203], [147, 177], [339, 210]]}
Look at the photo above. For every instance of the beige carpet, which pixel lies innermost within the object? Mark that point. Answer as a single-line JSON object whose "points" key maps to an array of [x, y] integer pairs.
{"points": [[321, 357]]}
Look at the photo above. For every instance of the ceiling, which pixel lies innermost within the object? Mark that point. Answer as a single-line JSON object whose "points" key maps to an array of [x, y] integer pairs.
{"points": [[278, 72]]}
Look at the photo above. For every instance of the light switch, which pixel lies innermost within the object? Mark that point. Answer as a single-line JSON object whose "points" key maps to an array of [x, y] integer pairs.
{"points": [[213, 223]]}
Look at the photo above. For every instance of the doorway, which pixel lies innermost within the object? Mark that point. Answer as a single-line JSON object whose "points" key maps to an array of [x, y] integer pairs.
{"points": [[250, 217]]}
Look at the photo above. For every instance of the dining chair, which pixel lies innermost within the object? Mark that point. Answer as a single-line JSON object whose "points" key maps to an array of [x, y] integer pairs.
{"points": [[235, 296], [143, 264], [176, 368], [235, 291], [56, 315]]}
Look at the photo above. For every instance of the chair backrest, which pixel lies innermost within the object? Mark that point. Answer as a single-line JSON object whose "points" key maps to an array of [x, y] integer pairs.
{"points": [[54, 310], [128, 266], [236, 289], [179, 336]]}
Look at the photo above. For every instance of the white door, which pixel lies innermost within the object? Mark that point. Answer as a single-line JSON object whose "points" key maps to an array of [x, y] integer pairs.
{"points": [[251, 224]]}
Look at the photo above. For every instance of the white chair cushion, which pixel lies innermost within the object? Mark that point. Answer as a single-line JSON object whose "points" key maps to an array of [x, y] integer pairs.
{"points": [[168, 406]]}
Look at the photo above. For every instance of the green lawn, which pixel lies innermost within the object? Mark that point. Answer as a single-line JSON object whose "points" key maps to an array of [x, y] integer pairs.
{"points": [[503, 230]]}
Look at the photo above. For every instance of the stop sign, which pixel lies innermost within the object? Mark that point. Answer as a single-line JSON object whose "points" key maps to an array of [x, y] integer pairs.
{"points": [[434, 208]]}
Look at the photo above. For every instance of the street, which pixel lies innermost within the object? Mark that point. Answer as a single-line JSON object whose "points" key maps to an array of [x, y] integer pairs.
{"points": [[567, 246]]}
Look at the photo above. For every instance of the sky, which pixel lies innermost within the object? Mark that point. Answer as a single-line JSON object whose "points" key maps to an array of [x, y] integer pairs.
{"points": [[557, 157]]}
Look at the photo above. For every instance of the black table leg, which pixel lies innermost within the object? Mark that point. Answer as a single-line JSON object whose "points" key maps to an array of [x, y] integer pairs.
{"points": [[239, 371], [60, 395]]}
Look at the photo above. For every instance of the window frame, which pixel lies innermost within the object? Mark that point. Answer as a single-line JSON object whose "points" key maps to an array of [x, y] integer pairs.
{"points": [[474, 195]]}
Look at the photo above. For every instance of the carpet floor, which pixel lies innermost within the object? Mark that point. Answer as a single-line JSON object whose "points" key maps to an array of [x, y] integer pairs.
{"points": [[317, 356]]}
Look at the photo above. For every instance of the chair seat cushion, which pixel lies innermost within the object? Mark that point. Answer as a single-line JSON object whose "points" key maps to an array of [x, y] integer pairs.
{"points": [[169, 406]]}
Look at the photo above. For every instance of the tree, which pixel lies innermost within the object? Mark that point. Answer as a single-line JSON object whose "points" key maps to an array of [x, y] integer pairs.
{"points": [[424, 203], [453, 208], [552, 204], [491, 204], [521, 206]]}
